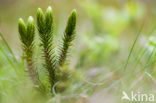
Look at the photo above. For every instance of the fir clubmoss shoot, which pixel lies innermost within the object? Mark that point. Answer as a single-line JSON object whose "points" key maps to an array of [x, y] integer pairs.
{"points": [[45, 28], [27, 38], [68, 37]]}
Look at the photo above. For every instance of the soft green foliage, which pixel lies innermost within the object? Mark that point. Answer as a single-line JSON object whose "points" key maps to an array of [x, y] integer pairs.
{"points": [[67, 37], [52, 63], [64, 72], [27, 37], [45, 28], [106, 33], [26, 32]]}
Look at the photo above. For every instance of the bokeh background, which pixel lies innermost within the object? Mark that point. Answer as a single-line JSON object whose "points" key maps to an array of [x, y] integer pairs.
{"points": [[106, 31]]}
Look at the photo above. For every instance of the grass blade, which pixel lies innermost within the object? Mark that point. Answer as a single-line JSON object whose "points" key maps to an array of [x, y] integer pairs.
{"points": [[7, 45], [131, 50]]}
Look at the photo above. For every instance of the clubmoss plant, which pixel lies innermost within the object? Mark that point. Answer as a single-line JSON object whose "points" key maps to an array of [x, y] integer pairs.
{"points": [[68, 37], [45, 28], [53, 63], [27, 38], [63, 71]]}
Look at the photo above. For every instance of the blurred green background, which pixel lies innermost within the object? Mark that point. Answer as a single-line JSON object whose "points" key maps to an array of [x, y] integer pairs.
{"points": [[106, 30], [103, 26]]}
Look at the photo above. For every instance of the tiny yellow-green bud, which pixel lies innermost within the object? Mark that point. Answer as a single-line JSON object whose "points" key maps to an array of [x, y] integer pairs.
{"points": [[40, 21], [49, 8], [30, 29], [71, 24], [49, 19], [74, 12], [30, 19], [22, 29], [40, 14], [39, 10]]}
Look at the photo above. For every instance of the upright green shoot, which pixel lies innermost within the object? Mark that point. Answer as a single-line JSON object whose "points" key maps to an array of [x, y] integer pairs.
{"points": [[45, 28], [68, 37], [27, 38]]}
